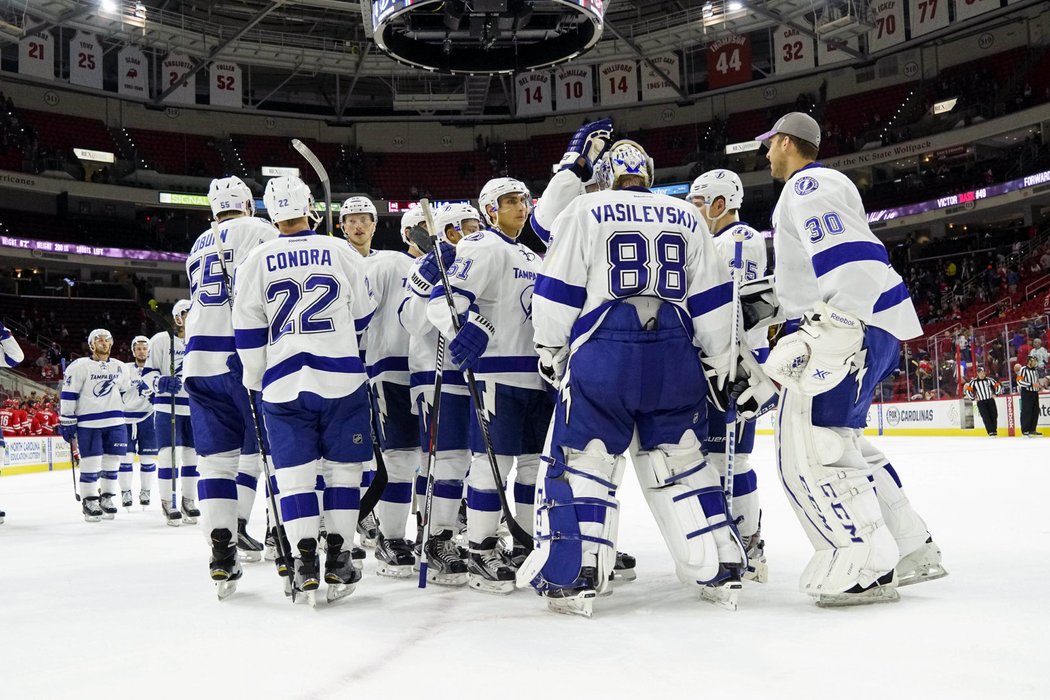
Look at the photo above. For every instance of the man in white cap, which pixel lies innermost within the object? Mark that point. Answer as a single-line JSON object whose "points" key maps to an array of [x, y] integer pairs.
{"points": [[847, 312]]}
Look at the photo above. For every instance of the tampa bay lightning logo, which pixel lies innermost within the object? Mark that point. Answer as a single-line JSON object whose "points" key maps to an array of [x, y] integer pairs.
{"points": [[527, 254], [805, 185], [104, 388], [720, 174], [526, 302]]}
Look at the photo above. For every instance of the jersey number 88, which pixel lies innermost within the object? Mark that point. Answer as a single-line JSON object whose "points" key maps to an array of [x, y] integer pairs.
{"points": [[633, 259]]}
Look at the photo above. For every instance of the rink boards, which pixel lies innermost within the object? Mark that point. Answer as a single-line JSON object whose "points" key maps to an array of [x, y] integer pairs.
{"points": [[24, 455]]}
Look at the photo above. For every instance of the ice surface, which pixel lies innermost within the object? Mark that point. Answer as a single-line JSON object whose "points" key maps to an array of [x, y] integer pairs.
{"points": [[125, 609]]}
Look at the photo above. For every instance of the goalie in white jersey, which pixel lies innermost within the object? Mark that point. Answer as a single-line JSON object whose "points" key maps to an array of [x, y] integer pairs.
{"points": [[223, 427], [142, 434], [301, 303], [631, 290], [718, 194], [92, 415], [847, 312]]}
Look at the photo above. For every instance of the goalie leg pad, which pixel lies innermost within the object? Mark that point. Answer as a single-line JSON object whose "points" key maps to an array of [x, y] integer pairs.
{"points": [[908, 528], [576, 521], [832, 490], [685, 495]]}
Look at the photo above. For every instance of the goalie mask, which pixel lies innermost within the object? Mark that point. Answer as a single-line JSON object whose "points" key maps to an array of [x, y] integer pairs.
{"points": [[627, 157]]}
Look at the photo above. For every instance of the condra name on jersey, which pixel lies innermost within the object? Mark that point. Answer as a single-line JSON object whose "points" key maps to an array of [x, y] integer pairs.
{"points": [[644, 213], [298, 258]]}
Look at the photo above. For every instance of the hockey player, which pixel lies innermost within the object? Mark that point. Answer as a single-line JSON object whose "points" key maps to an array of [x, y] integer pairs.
{"points": [[848, 310], [301, 302], [48, 419], [492, 282], [386, 360], [220, 414], [445, 566], [93, 417], [10, 355], [718, 195], [11, 419], [168, 390], [142, 434], [632, 287]]}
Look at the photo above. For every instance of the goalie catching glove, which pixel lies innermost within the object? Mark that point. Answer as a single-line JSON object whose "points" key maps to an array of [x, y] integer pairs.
{"points": [[752, 391], [587, 145], [820, 354]]}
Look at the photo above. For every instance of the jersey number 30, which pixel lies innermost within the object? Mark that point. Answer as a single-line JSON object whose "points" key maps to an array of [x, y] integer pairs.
{"points": [[632, 265], [297, 314]]}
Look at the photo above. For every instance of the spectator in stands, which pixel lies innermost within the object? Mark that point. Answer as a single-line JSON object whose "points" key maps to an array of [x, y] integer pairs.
{"points": [[1039, 354], [1023, 351]]}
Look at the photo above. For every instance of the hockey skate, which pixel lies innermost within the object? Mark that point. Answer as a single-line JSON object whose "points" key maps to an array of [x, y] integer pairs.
{"points": [[395, 557], [883, 590], [339, 571], [2, 516], [461, 524], [757, 570], [172, 516], [109, 509], [250, 548], [224, 568], [368, 529], [724, 589], [575, 599], [445, 566], [307, 571], [270, 545], [91, 509], [189, 511], [924, 564], [623, 570], [144, 498], [487, 571], [126, 500]]}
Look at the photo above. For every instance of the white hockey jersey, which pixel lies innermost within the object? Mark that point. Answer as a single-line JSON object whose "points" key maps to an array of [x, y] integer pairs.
{"points": [[497, 275], [138, 399], [619, 244], [563, 187], [91, 393], [158, 364], [386, 341], [10, 352], [209, 326], [422, 349], [825, 251], [754, 262], [302, 302]]}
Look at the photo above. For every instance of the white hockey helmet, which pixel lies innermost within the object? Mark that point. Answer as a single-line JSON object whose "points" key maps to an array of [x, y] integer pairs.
{"points": [[358, 205], [627, 157], [139, 339], [181, 307], [230, 194], [496, 188], [96, 334], [454, 214], [719, 183], [412, 217], [288, 198]]}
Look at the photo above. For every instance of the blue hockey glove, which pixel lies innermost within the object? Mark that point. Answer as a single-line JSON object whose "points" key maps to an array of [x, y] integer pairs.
{"points": [[427, 274], [169, 385], [233, 363], [590, 141], [470, 343], [68, 432]]}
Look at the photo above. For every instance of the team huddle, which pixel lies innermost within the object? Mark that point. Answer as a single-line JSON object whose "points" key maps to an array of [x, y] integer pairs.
{"points": [[381, 389]]}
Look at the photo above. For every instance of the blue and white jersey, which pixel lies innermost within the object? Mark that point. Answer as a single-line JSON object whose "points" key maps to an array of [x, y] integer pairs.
{"points": [[496, 275], [825, 251], [302, 302], [91, 393], [10, 352], [386, 341], [422, 349], [563, 187], [138, 399], [618, 244], [754, 261], [209, 327], [158, 364]]}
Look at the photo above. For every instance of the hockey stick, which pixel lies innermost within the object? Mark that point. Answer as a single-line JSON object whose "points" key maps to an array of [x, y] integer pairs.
{"points": [[174, 461], [734, 349], [322, 175], [521, 537], [283, 546], [74, 463]]}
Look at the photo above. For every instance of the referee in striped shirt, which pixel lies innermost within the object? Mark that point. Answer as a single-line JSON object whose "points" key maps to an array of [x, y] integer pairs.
{"points": [[1028, 381], [983, 391]]}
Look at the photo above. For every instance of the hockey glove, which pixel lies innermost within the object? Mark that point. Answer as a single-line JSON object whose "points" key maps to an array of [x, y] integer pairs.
{"points": [[552, 364], [820, 354], [589, 142], [751, 391], [233, 363], [169, 385], [426, 274], [469, 344], [68, 431], [759, 304]]}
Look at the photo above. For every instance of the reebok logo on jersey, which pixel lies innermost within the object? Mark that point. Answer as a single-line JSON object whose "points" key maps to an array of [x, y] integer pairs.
{"points": [[805, 185]]}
